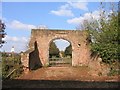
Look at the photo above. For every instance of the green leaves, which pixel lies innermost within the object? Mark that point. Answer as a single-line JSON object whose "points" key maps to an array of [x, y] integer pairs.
{"points": [[53, 50], [2, 32], [105, 33], [10, 63], [68, 50]]}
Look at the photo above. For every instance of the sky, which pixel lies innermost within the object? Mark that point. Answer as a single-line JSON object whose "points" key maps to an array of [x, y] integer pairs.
{"points": [[20, 17]]}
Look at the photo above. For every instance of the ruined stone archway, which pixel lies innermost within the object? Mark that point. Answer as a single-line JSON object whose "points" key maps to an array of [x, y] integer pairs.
{"points": [[78, 40]]}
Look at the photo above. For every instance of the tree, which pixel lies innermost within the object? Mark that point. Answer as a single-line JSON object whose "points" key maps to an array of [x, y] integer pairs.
{"points": [[68, 50], [105, 35], [2, 33], [53, 50], [63, 53]]}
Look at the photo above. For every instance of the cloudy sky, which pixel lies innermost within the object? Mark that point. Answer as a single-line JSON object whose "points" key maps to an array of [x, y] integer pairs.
{"points": [[20, 17]]}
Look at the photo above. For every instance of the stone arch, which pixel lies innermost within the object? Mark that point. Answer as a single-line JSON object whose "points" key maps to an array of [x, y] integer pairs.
{"points": [[59, 38], [78, 40], [51, 40]]}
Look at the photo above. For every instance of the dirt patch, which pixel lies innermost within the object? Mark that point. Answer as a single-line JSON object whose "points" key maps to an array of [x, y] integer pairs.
{"points": [[66, 73], [61, 77]]}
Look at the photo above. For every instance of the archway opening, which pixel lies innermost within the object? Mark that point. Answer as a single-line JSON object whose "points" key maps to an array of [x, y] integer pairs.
{"points": [[60, 53]]}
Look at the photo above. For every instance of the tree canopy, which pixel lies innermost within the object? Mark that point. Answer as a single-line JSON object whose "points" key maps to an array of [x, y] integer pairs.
{"points": [[68, 50], [53, 50], [104, 33], [2, 33]]}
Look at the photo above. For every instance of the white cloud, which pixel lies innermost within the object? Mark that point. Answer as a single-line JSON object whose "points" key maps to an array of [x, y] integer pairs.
{"points": [[19, 25], [86, 16], [15, 39], [66, 6], [42, 27], [19, 43], [63, 11], [79, 5], [75, 20]]}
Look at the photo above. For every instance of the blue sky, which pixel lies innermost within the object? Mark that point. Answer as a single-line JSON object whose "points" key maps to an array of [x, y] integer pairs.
{"points": [[21, 17]]}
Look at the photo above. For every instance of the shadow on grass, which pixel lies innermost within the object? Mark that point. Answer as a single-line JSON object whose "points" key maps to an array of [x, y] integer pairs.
{"points": [[27, 84]]}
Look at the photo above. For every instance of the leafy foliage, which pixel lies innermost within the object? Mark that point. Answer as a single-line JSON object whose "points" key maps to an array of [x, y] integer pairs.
{"points": [[68, 50], [9, 63], [2, 32], [53, 50], [104, 35]]}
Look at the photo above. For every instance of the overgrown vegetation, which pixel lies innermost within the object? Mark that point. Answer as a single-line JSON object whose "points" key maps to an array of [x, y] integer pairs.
{"points": [[104, 33], [115, 69], [11, 66]]}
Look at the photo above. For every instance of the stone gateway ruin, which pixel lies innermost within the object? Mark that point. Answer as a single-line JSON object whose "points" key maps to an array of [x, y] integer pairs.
{"points": [[37, 54]]}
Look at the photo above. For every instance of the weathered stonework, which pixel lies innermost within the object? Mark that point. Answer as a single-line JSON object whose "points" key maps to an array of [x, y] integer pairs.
{"points": [[97, 67], [78, 40]]}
